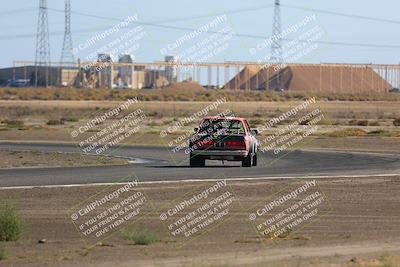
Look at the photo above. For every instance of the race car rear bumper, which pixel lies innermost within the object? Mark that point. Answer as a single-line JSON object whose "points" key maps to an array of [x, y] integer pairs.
{"points": [[221, 154]]}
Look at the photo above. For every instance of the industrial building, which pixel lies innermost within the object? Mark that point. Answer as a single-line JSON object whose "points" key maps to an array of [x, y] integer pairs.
{"points": [[56, 75]]}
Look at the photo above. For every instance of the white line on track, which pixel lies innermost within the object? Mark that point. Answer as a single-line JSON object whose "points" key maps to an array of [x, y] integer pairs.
{"points": [[205, 180]]}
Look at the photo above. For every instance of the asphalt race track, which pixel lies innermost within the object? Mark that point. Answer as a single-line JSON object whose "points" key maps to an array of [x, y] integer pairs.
{"points": [[159, 164]]}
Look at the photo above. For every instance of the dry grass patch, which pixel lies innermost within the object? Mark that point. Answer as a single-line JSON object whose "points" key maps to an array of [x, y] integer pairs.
{"points": [[347, 132]]}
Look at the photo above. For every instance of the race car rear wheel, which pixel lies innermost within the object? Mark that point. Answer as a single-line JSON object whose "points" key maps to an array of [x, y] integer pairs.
{"points": [[197, 161], [255, 159], [248, 161]]}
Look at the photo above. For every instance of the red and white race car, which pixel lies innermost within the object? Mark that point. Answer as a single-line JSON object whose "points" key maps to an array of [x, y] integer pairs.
{"points": [[224, 138]]}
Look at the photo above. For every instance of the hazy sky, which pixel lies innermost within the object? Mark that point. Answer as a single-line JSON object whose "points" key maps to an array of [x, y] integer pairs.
{"points": [[17, 29]]}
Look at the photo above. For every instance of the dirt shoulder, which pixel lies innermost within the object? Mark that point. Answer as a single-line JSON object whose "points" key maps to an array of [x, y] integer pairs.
{"points": [[358, 227], [25, 159]]}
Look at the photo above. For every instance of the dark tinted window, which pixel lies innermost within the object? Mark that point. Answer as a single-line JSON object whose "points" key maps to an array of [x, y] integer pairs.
{"points": [[222, 126]]}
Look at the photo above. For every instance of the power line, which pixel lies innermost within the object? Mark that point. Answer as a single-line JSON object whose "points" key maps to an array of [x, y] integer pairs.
{"points": [[250, 35], [234, 11], [253, 36], [152, 24], [19, 10], [186, 29], [342, 14], [230, 12], [367, 45]]}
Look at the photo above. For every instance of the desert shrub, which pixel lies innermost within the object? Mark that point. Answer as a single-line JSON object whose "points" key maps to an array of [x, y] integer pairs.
{"points": [[69, 119], [304, 122], [362, 123], [140, 237], [352, 122], [396, 122], [3, 254], [374, 123], [379, 133], [55, 122], [11, 224], [13, 123], [153, 114]]}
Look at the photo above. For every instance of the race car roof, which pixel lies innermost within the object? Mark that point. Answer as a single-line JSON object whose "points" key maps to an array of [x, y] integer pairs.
{"points": [[223, 118]]}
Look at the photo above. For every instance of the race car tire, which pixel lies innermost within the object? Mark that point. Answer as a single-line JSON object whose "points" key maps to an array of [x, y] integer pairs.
{"points": [[197, 161], [248, 161], [255, 159]]}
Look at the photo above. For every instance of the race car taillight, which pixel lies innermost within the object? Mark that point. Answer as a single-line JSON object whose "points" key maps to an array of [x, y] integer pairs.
{"points": [[236, 144], [205, 144]]}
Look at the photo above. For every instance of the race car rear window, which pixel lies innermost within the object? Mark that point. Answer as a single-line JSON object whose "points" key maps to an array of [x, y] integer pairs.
{"points": [[222, 126]]}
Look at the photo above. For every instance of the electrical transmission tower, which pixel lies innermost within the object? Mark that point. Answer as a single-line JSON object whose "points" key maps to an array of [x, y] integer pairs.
{"points": [[42, 58], [67, 55], [276, 46]]}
